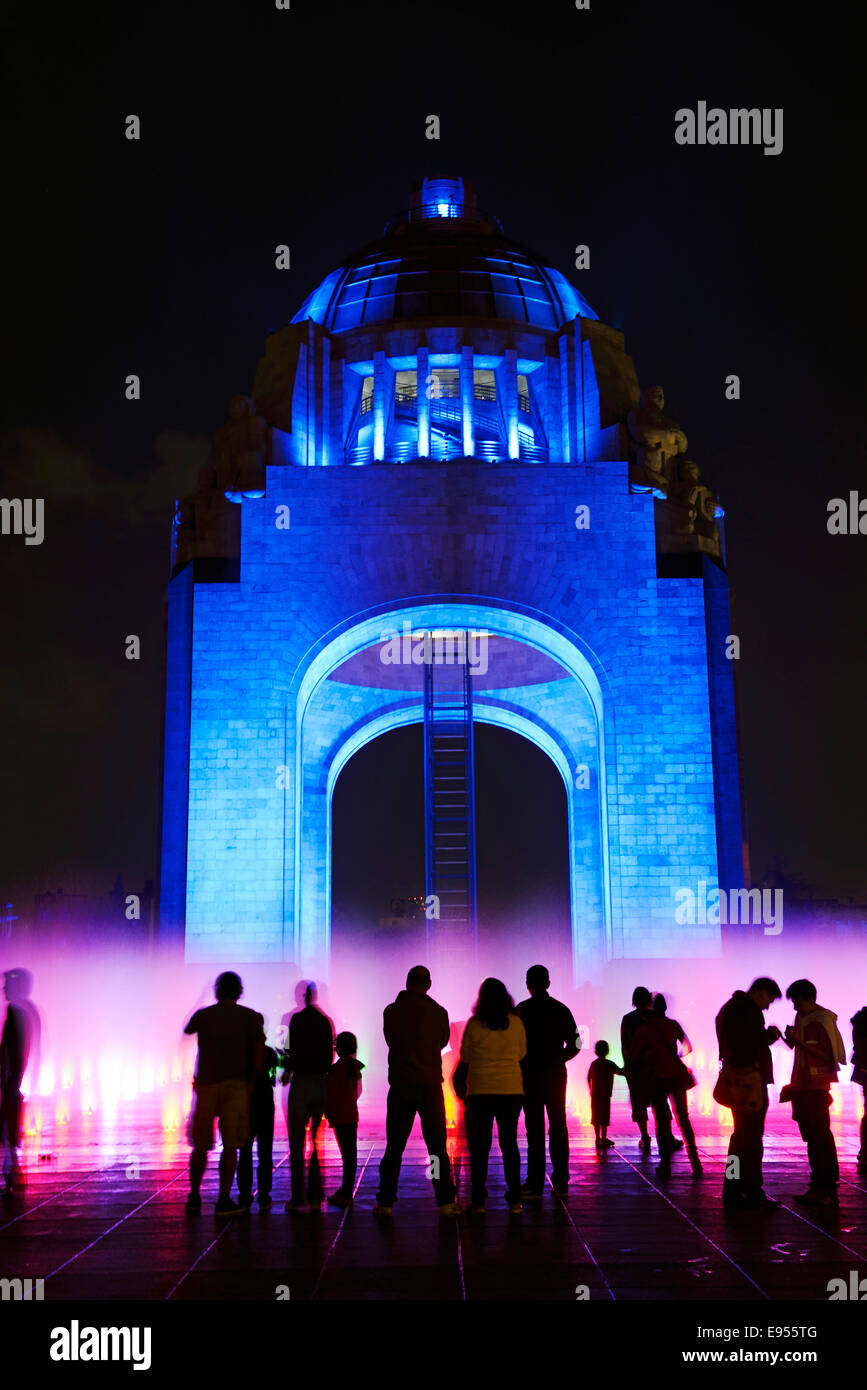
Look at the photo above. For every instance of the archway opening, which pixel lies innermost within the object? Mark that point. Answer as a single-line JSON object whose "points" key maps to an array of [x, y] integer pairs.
{"points": [[524, 678], [378, 909], [378, 921], [522, 857]]}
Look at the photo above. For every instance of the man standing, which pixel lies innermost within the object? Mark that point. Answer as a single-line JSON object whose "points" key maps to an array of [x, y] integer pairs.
{"points": [[231, 1056], [819, 1050], [19, 1043], [416, 1029], [744, 1041], [309, 1058], [636, 1072], [552, 1041]]}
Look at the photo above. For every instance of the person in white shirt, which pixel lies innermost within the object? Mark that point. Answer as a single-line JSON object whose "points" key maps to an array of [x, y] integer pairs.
{"points": [[493, 1044]]}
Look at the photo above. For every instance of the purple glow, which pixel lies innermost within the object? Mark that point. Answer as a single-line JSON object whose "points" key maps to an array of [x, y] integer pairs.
{"points": [[112, 1021]]}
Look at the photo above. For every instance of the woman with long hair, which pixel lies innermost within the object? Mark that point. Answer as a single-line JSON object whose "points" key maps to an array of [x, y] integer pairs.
{"points": [[493, 1044]]}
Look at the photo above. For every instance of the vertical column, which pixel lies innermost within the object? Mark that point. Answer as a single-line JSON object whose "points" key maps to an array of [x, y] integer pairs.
{"points": [[423, 401], [467, 399], [548, 396], [176, 769], [312, 899], [325, 417], [567, 396], [380, 404], [312, 373], [510, 401], [729, 804]]}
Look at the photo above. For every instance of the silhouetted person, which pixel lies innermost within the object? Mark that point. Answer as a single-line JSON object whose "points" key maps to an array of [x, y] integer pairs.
{"points": [[552, 1041], [416, 1029], [660, 1040], [859, 1075], [493, 1045], [231, 1042], [819, 1052], [19, 1040], [309, 1056], [745, 1042], [262, 1135], [636, 1073], [342, 1089], [600, 1079]]}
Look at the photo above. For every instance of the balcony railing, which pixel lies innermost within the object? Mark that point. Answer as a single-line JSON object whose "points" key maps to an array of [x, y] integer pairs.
{"points": [[444, 390]]}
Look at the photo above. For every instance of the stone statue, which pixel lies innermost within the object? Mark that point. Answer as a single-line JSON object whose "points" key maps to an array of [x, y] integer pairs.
{"points": [[242, 449], [657, 441], [699, 503]]}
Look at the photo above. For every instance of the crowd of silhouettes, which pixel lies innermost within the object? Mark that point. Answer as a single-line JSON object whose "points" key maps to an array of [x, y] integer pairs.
{"points": [[512, 1060]]}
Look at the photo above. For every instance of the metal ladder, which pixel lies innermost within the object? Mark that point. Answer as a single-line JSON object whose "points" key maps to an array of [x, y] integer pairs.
{"points": [[450, 846]]}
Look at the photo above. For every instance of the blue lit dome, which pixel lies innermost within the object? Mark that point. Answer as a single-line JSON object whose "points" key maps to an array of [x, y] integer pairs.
{"points": [[443, 258]]}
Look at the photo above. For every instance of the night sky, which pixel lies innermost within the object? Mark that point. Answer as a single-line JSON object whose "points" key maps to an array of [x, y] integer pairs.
{"points": [[307, 127]]}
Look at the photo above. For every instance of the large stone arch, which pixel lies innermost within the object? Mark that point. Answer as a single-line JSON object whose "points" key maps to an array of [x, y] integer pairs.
{"points": [[571, 720]]}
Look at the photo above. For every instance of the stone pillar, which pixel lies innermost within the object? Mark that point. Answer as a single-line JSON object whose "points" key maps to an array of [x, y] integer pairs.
{"points": [[568, 402], [380, 404], [312, 931], [423, 401], [467, 400], [312, 374], [325, 369], [510, 402]]}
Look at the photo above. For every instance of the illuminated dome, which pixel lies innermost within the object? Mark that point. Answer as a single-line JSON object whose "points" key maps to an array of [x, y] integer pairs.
{"points": [[443, 258]]}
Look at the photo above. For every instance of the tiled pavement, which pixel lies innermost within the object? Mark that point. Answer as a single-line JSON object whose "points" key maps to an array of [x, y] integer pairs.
{"points": [[104, 1219]]}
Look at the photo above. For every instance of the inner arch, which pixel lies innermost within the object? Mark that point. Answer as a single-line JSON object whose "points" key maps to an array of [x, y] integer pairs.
{"points": [[554, 698], [522, 853]]}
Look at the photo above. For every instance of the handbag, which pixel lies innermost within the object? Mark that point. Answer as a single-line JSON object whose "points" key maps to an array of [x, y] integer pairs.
{"points": [[739, 1088], [686, 1079]]}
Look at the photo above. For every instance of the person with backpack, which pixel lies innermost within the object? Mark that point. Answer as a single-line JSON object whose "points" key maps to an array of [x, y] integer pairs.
{"points": [[819, 1052]]}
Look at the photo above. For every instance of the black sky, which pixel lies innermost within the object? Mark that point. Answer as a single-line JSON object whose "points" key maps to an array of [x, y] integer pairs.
{"points": [[307, 127]]}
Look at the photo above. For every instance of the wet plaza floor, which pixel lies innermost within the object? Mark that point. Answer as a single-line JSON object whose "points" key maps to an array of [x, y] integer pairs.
{"points": [[102, 1218]]}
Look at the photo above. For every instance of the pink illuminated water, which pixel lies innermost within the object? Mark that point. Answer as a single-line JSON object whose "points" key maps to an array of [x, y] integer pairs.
{"points": [[112, 1023]]}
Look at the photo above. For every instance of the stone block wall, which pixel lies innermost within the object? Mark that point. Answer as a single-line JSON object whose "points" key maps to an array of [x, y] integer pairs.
{"points": [[382, 540]]}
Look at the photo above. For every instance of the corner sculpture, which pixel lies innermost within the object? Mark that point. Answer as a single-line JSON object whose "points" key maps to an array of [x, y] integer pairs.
{"points": [[657, 466]]}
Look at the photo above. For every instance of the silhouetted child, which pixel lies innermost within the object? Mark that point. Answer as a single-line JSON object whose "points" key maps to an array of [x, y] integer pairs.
{"points": [[600, 1079], [342, 1089], [262, 1134]]}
